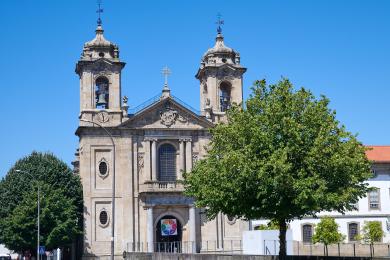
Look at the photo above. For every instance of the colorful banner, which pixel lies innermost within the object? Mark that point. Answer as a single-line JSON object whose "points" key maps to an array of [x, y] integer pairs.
{"points": [[168, 227]]}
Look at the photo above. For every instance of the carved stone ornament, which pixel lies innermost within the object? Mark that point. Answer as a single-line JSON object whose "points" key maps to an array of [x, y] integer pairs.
{"points": [[195, 158], [103, 117], [140, 162], [168, 117], [182, 119]]}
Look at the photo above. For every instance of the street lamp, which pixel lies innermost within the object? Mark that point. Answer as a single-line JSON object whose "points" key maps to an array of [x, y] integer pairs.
{"points": [[113, 184], [37, 210]]}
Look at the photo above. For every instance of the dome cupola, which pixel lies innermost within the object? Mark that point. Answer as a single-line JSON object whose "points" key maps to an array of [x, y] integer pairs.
{"points": [[100, 47]]}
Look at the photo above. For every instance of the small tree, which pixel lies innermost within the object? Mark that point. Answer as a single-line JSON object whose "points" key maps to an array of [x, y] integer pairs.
{"points": [[282, 156], [326, 232], [372, 232]]}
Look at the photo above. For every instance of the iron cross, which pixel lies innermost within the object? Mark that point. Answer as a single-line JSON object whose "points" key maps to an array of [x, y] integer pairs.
{"points": [[219, 22], [99, 11], [166, 72]]}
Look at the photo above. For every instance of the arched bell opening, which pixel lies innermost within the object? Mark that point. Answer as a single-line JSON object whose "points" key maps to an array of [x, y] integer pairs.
{"points": [[102, 92], [168, 234], [225, 96]]}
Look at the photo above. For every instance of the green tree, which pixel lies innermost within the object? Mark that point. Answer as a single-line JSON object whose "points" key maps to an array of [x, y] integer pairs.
{"points": [[327, 232], [372, 232], [282, 156], [58, 220], [61, 203]]}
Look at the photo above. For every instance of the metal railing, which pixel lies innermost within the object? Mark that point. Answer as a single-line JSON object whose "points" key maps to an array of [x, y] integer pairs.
{"points": [[155, 99], [227, 246], [271, 247]]}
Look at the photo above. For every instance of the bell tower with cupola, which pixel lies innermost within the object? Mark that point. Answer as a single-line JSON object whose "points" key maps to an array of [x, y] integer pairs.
{"points": [[221, 76], [99, 69]]}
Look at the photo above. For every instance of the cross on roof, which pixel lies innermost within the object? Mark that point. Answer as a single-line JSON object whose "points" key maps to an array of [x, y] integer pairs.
{"points": [[219, 22], [166, 72], [99, 11]]}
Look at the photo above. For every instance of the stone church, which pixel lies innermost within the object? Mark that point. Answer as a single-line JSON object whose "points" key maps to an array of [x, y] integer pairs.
{"points": [[131, 161]]}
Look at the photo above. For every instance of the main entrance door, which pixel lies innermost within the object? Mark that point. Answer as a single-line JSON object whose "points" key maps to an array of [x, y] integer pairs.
{"points": [[168, 234]]}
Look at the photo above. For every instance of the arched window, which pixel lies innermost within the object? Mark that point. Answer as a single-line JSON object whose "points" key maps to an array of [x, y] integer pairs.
{"points": [[167, 163], [353, 231], [101, 93], [224, 96], [307, 233]]}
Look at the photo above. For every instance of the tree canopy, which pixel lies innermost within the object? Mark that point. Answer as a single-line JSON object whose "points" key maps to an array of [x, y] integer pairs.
{"points": [[283, 155], [60, 201], [372, 232]]}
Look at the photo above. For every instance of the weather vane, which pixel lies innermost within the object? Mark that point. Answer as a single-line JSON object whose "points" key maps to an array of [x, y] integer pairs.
{"points": [[219, 22], [99, 11], [166, 72]]}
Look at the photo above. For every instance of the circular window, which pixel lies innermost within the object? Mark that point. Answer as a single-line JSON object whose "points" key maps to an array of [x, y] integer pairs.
{"points": [[101, 54], [103, 168], [103, 218], [224, 60]]}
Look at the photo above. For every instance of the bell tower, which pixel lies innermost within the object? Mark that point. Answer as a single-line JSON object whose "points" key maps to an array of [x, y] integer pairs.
{"points": [[221, 77], [99, 69]]}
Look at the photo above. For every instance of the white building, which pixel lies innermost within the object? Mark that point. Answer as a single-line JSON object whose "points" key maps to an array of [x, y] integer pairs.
{"points": [[374, 207]]}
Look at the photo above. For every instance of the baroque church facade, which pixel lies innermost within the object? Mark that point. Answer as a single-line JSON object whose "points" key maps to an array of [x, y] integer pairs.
{"points": [[132, 163]]}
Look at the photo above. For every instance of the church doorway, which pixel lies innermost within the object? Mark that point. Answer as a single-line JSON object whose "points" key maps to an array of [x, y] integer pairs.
{"points": [[168, 234]]}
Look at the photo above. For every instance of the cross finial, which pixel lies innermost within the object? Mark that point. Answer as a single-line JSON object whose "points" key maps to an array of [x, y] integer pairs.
{"points": [[166, 72], [219, 22], [99, 11]]}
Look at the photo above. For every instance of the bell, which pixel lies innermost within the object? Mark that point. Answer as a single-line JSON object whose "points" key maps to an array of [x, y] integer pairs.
{"points": [[102, 100]]}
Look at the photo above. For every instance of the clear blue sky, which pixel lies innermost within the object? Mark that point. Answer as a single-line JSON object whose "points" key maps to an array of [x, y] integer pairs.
{"points": [[336, 48]]}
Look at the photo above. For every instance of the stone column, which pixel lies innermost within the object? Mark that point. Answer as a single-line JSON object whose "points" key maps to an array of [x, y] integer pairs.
{"points": [[148, 175], [150, 229], [182, 159], [188, 155], [192, 224], [154, 159]]}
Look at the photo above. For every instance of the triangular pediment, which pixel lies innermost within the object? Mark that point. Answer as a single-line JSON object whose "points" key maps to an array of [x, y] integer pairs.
{"points": [[167, 114]]}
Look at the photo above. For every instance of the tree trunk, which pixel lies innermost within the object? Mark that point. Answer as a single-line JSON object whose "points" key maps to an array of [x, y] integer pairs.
{"points": [[282, 239]]}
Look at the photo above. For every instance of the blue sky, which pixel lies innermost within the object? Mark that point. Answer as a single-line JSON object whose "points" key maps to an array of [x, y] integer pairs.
{"points": [[336, 48]]}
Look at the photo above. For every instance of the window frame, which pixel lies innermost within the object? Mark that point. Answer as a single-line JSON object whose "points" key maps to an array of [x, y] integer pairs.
{"points": [[369, 197], [357, 231], [108, 218], [302, 232], [174, 157]]}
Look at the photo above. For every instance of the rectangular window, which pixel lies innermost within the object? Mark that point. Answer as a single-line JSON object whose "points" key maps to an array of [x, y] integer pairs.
{"points": [[373, 199], [307, 233], [353, 231]]}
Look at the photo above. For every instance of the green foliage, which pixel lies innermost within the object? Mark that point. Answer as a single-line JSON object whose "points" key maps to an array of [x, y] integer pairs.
{"points": [[372, 232], [272, 225], [283, 156], [326, 232], [61, 203]]}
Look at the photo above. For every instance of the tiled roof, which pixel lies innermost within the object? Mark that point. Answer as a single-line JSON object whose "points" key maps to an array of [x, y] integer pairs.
{"points": [[378, 153]]}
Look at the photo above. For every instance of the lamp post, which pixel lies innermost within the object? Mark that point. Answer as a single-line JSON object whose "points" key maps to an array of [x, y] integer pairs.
{"points": [[37, 211], [113, 184]]}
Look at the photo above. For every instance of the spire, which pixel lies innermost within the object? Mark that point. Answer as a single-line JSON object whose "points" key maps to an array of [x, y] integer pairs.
{"points": [[166, 92]]}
